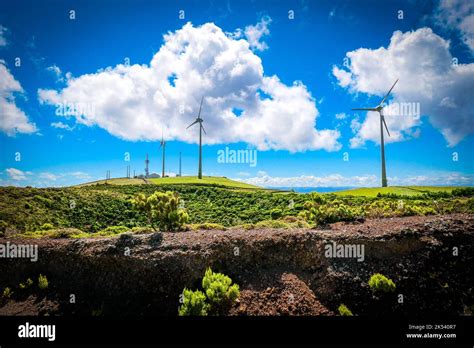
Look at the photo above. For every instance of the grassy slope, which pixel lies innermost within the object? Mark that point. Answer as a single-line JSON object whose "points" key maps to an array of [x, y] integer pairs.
{"points": [[400, 190], [117, 181], [184, 180], [206, 180]]}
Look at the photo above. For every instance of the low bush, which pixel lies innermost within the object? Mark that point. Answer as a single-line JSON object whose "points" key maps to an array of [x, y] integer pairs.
{"points": [[217, 296], [220, 291], [43, 282], [276, 213], [112, 231], [271, 224], [27, 284], [3, 227], [380, 283], [47, 226], [7, 293], [207, 226], [162, 208], [66, 233], [344, 311], [194, 304]]}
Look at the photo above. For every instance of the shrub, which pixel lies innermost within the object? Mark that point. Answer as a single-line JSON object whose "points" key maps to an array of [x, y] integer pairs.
{"points": [[194, 303], [113, 230], [3, 227], [207, 226], [162, 208], [7, 293], [380, 283], [465, 191], [46, 227], [272, 224], [344, 311], [218, 296], [276, 213], [26, 284], [141, 230], [219, 290], [66, 233], [42, 282]]}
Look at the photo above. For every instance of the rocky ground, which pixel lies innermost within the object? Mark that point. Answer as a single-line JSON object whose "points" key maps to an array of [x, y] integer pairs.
{"points": [[280, 272]]}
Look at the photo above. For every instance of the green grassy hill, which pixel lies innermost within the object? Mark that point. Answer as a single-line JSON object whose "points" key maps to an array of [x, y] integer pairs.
{"points": [[182, 180], [399, 190], [206, 180]]}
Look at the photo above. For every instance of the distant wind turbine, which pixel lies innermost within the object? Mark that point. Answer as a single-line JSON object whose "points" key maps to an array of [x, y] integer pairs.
{"points": [[201, 129], [379, 109], [163, 145]]}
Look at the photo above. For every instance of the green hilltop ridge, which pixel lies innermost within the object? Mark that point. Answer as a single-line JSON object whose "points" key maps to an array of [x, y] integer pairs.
{"points": [[398, 190], [179, 180]]}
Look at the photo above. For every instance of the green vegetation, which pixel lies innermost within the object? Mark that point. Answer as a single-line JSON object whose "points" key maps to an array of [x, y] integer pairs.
{"points": [[162, 209], [218, 296], [7, 293], [212, 181], [398, 190], [107, 210], [26, 285], [344, 311], [220, 291], [321, 211], [194, 304], [206, 181], [380, 283], [43, 282]]}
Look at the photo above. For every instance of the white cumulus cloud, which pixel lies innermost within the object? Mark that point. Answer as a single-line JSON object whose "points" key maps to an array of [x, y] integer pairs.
{"points": [[422, 62], [241, 103], [13, 119]]}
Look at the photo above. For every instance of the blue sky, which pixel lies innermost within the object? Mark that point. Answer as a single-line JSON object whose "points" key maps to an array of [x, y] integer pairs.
{"points": [[103, 58]]}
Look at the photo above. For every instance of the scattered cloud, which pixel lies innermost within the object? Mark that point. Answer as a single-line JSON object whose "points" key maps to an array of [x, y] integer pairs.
{"points": [[62, 125], [3, 39], [136, 102], [17, 177], [16, 174], [368, 180], [49, 176], [13, 119], [254, 34], [56, 71], [422, 62], [341, 116], [458, 15], [79, 175], [333, 180], [241, 174]]}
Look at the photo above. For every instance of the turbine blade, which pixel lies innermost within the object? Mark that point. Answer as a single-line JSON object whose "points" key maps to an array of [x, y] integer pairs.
{"points": [[192, 124], [366, 109], [203, 129], [385, 124], [200, 107], [386, 96]]}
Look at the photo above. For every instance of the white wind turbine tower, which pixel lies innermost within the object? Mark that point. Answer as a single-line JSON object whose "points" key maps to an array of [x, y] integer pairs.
{"points": [[379, 109], [163, 145], [201, 129]]}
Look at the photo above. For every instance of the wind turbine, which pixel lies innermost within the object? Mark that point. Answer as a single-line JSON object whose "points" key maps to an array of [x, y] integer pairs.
{"points": [[201, 129], [163, 145], [379, 109]]}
